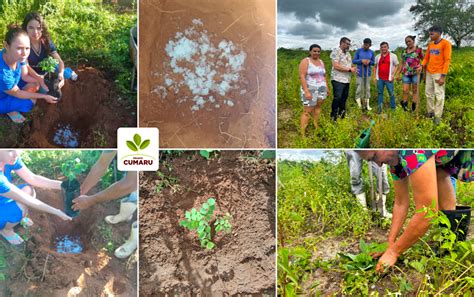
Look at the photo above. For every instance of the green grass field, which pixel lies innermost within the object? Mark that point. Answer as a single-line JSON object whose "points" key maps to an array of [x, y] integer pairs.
{"points": [[324, 236], [392, 129]]}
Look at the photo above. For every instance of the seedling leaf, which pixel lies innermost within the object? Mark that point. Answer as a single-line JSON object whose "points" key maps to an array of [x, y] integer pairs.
{"points": [[137, 139], [145, 144]]}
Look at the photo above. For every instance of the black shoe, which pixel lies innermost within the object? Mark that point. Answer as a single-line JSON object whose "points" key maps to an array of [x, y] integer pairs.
{"points": [[430, 114], [404, 105], [413, 106]]}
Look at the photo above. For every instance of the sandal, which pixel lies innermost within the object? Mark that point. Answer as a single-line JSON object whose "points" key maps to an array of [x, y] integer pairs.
{"points": [[16, 117], [14, 239], [27, 222]]}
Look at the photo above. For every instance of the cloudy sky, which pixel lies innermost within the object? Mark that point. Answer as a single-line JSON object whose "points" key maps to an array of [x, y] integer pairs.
{"points": [[303, 22]]}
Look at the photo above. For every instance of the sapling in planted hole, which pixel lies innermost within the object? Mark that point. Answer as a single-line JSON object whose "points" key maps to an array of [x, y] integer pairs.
{"points": [[71, 187], [51, 78], [200, 221]]}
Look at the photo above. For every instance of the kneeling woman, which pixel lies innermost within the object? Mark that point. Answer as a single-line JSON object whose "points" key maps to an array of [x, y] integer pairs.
{"points": [[13, 67], [15, 200], [314, 86], [429, 174]]}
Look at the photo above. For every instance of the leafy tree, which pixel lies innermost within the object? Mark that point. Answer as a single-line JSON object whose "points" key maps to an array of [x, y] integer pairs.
{"points": [[454, 16]]}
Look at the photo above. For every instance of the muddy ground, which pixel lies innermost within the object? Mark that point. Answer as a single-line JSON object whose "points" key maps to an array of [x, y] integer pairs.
{"points": [[172, 262], [250, 26], [36, 269], [89, 106]]}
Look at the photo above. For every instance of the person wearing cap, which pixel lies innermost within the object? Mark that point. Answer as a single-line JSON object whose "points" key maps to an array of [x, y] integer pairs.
{"points": [[364, 59], [436, 63], [386, 68], [341, 77]]}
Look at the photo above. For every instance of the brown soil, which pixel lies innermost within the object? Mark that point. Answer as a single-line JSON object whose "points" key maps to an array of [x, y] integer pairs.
{"points": [[88, 105], [249, 25], [38, 270], [172, 261]]}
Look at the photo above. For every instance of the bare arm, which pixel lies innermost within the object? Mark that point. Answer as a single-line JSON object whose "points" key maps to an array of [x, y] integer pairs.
{"points": [[19, 196], [303, 69], [400, 208], [56, 56], [97, 171], [125, 186], [38, 180], [425, 189]]}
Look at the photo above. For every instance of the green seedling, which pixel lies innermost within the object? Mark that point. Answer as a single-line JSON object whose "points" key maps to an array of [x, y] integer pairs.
{"points": [[48, 65], [206, 153], [72, 168], [364, 260], [199, 221]]}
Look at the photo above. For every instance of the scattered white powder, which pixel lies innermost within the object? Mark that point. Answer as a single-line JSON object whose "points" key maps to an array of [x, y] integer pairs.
{"points": [[207, 70]]}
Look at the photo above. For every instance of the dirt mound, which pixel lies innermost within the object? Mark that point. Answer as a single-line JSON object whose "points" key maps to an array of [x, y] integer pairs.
{"points": [[87, 116], [209, 119], [93, 272], [243, 262]]}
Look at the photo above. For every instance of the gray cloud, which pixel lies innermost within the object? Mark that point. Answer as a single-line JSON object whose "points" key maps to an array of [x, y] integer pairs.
{"points": [[344, 14]]}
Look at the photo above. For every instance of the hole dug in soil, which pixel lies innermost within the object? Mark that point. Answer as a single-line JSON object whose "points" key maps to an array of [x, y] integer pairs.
{"points": [[85, 109], [45, 271]]}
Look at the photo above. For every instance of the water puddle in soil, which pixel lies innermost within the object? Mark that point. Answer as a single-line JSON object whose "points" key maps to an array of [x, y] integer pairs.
{"points": [[65, 136], [68, 244]]}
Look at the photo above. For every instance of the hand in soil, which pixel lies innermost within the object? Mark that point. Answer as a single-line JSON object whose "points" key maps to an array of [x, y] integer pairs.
{"points": [[388, 259], [50, 99], [63, 216], [82, 202]]}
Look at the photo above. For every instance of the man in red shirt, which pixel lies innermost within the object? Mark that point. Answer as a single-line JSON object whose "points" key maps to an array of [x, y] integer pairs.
{"points": [[386, 68]]}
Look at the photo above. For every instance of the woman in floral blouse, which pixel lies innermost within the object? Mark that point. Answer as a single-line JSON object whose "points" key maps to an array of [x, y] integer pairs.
{"points": [[411, 59], [428, 172]]}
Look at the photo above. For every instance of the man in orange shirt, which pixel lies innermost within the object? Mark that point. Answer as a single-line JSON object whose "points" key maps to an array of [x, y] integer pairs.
{"points": [[436, 61]]}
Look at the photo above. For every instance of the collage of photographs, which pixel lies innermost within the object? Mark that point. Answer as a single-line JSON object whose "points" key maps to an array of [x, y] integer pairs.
{"points": [[306, 148]]}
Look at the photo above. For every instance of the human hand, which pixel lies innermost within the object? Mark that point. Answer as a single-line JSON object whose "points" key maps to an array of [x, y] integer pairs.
{"points": [[354, 70], [440, 81], [82, 202], [50, 99], [388, 259], [307, 96], [419, 69], [63, 216], [399, 78]]}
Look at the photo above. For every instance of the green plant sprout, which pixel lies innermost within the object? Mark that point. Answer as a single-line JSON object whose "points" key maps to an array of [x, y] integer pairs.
{"points": [[48, 65], [72, 168], [206, 153], [137, 143], [362, 261], [199, 221]]}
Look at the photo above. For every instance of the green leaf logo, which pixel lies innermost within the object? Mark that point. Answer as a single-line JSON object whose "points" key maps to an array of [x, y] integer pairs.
{"points": [[132, 146], [137, 143]]}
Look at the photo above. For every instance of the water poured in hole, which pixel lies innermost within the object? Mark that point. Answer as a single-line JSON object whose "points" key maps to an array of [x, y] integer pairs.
{"points": [[68, 244], [65, 136]]}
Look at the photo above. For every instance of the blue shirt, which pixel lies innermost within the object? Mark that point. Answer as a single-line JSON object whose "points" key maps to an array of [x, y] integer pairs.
{"points": [[6, 177], [362, 54], [36, 57], [8, 77]]}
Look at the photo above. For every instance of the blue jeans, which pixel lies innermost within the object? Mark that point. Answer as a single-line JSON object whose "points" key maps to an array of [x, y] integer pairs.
{"points": [[380, 87]]}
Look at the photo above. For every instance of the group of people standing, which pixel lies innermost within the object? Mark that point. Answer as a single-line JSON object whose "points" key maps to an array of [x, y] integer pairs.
{"points": [[21, 78], [383, 69]]}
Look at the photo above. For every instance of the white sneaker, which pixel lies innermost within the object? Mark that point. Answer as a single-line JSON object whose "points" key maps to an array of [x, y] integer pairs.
{"points": [[74, 76], [358, 102], [362, 200], [368, 106], [126, 249]]}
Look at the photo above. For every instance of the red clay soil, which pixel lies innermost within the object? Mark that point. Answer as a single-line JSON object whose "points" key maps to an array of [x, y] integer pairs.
{"points": [[88, 105], [250, 25], [95, 271], [172, 262]]}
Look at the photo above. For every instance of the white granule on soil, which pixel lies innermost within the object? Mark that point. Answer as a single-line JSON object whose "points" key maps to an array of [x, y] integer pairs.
{"points": [[208, 70]]}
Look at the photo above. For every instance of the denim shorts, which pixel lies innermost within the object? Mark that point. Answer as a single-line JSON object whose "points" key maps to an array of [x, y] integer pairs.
{"points": [[409, 79], [317, 93]]}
